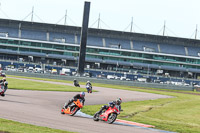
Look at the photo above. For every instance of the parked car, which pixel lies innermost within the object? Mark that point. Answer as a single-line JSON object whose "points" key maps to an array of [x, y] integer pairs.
{"points": [[142, 79], [110, 77], [54, 71]]}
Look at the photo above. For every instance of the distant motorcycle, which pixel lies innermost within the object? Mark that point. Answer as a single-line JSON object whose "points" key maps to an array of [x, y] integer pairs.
{"points": [[76, 84], [89, 88], [73, 107], [110, 115]]}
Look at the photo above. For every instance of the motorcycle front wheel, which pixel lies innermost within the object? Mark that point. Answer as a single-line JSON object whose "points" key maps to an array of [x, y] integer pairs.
{"points": [[111, 118], [96, 117], [74, 109], [62, 111]]}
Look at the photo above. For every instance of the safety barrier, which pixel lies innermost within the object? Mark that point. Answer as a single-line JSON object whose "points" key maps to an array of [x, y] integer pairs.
{"points": [[105, 81]]}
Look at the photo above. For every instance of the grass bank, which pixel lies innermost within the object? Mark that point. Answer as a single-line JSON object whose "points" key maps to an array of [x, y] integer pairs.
{"points": [[179, 114], [34, 85], [17, 127]]}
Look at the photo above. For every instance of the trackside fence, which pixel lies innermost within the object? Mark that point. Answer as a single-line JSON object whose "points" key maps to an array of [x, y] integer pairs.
{"points": [[104, 81]]}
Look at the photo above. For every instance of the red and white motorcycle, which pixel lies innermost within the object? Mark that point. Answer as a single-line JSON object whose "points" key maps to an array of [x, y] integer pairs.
{"points": [[110, 115]]}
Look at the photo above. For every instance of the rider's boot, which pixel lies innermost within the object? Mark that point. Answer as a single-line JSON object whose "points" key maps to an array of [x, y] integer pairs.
{"points": [[65, 106]]}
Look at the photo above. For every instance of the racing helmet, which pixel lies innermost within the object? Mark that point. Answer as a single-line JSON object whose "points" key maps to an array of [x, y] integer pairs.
{"points": [[82, 94], [6, 83], [118, 101], [88, 81]]}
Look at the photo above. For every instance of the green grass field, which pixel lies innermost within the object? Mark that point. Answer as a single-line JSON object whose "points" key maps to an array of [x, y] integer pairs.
{"points": [[34, 85], [17, 127], [179, 114]]}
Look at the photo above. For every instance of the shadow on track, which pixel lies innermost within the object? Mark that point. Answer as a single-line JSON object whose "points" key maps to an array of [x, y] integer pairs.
{"points": [[12, 101]]}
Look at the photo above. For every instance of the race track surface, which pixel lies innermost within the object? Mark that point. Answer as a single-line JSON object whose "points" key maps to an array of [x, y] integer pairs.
{"points": [[42, 108]]}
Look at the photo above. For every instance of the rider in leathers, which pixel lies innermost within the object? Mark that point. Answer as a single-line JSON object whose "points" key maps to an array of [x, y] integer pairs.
{"points": [[116, 103], [77, 96], [88, 86]]}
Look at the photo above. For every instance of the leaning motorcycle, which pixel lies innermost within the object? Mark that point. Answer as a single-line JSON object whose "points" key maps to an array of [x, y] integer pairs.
{"points": [[76, 84], [73, 107], [89, 88], [110, 115]]}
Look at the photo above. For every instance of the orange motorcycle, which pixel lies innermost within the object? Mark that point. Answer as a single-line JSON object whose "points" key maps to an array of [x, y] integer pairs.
{"points": [[73, 107]]}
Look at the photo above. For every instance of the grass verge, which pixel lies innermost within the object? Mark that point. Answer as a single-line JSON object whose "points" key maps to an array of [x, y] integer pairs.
{"points": [[34, 85], [179, 114], [17, 127]]}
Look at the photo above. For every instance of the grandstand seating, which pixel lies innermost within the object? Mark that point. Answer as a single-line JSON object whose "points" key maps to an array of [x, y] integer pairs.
{"points": [[97, 41], [114, 43], [32, 34], [56, 37], [193, 51], [140, 46], [12, 32], [94, 41], [172, 49]]}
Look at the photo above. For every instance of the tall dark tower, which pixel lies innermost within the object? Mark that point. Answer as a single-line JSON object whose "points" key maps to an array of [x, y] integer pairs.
{"points": [[84, 30]]}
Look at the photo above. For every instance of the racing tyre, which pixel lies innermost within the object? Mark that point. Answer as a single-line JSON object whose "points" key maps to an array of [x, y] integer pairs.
{"points": [[62, 111], [96, 117], [74, 109], [111, 118]]}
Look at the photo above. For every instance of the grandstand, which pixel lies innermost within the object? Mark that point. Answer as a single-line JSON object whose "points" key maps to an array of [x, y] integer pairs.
{"points": [[106, 49]]}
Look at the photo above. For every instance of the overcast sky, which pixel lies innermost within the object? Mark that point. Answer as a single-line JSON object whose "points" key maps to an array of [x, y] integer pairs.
{"points": [[181, 16]]}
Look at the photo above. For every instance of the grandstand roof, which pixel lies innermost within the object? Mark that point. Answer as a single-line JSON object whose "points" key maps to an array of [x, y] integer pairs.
{"points": [[99, 32]]}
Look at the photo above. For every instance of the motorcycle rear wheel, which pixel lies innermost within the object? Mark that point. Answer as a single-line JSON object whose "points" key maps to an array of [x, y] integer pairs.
{"points": [[111, 118]]}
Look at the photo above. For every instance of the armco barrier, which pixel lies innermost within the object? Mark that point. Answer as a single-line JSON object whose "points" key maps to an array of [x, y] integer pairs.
{"points": [[105, 81]]}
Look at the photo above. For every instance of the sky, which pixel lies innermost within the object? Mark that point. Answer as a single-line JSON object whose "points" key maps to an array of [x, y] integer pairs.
{"points": [[181, 17]]}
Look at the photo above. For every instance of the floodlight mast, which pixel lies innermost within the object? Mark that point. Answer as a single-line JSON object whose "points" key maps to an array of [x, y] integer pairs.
{"points": [[164, 28], [196, 32], [32, 14], [84, 30]]}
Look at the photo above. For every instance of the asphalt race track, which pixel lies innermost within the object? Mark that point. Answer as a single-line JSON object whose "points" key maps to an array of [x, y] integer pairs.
{"points": [[42, 108]]}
